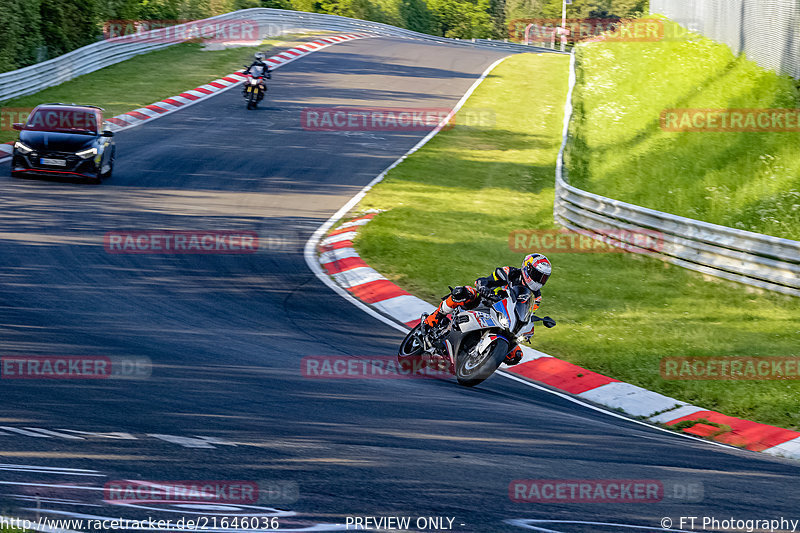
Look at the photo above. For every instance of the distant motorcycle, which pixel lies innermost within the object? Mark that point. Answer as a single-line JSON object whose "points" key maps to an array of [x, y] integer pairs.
{"points": [[474, 343], [255, 86]]}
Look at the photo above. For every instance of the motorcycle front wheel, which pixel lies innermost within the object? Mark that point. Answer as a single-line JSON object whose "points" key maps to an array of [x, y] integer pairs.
{"points": [[472, 367], [252, 100]]}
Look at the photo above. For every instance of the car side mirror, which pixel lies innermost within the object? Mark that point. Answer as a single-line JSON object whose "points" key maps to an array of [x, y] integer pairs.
{"points": [[107, 133], [18, 126]]}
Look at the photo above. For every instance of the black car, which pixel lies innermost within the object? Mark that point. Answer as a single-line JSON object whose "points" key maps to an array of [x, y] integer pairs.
{"points": [[60, 140]]}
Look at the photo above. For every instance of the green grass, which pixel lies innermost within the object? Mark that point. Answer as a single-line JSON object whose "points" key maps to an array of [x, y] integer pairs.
{"points": [[145, 79], [747, 180], [450, 208]]}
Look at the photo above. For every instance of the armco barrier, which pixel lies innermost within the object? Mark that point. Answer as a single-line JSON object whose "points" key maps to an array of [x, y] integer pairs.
{"points": [[108, 52], [743, 256]]}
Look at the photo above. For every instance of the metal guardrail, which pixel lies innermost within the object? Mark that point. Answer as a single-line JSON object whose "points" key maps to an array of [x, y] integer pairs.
{"points": [[101, 54], [752, 258]]}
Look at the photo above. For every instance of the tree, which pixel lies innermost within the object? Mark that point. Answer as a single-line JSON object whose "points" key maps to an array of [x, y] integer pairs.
{"points": [[68, 24], [21, 37], [417, 17], [497, 11], [363, 9], [277, 4], [462, 19]]}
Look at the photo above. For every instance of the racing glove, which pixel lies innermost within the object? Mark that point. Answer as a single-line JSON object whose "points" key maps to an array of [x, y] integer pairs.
{"points": [[487, 292]]}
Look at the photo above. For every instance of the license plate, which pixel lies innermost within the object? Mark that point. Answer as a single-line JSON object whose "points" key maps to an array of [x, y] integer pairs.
{"points": [[53, 162]]}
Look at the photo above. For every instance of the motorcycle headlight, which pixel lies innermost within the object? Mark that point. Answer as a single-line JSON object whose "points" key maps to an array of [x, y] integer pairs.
{"points": [[502, 320], [23, 148], [253, 81], [86, 154]]}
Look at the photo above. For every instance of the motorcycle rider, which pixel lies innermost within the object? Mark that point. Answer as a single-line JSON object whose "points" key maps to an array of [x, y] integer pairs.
{"points": [[534, 274], [258, 68]]}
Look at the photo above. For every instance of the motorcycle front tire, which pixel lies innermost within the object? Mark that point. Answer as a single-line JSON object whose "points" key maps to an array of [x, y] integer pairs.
{"points": [[469, 377]]}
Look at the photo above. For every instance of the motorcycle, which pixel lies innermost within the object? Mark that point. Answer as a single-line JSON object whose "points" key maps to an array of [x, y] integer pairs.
{"points": [[254, 87], [473, 343]]}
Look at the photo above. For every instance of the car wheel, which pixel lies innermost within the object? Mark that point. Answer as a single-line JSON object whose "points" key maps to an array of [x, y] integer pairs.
{"points": [[110, 167], [105, 175]]}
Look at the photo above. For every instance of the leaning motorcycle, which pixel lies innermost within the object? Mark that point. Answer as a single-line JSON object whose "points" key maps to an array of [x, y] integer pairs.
{"points": [[254, 87], [473, 343]]}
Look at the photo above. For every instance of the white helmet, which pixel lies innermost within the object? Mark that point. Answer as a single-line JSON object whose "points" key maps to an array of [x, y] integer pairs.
{"points": [[536, 270]]}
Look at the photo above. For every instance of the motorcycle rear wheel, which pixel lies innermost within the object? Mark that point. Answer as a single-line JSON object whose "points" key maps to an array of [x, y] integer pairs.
{"points": [[471, 370]]}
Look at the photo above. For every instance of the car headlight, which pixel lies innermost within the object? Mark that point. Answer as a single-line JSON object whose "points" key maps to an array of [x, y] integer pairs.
{"points": [[23, 148], [86, 154]]}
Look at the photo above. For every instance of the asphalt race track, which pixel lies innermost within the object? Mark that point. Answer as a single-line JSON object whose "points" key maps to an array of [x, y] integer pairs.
{"points": [[226, 334]]}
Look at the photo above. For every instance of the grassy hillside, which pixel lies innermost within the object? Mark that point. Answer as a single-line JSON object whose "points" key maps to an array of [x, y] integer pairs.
{"points": [[748, 180]]}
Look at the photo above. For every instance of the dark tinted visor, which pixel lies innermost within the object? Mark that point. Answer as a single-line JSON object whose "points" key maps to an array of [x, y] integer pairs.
{"points": [[537, 276]]}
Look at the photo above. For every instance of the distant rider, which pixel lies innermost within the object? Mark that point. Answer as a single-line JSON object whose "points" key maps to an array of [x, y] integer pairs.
{"points": [[534, 274], [259, 69]]}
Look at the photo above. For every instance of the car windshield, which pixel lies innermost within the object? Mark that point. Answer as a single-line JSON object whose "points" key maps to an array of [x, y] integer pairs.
{"points": [[63, 120]]}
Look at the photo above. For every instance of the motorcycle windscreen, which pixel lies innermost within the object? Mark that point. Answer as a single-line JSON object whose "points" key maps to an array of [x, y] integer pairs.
{"points": [[257, 71], [524, 299]]}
